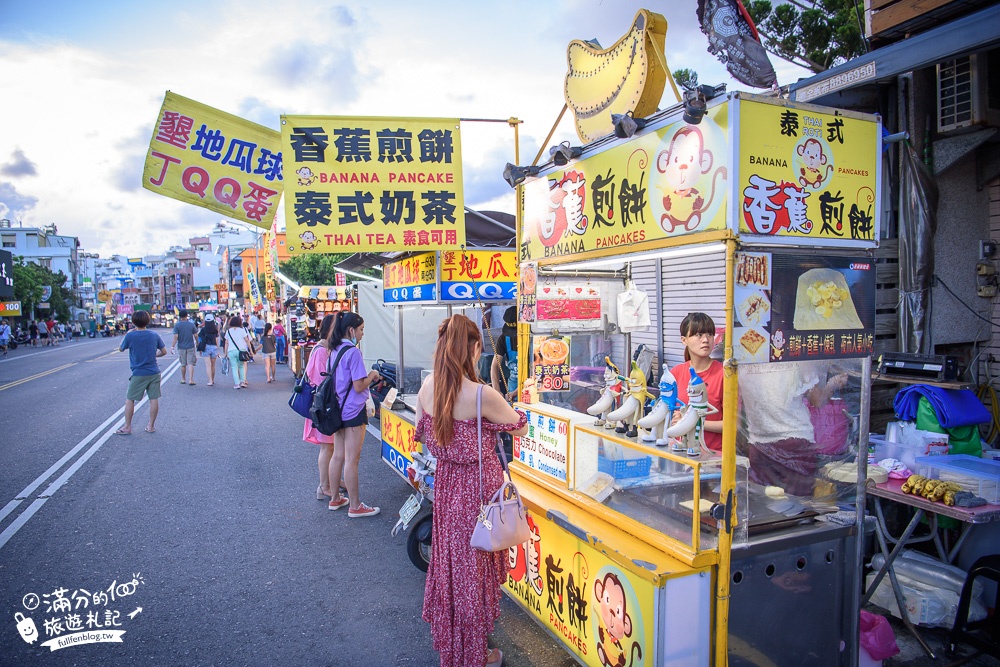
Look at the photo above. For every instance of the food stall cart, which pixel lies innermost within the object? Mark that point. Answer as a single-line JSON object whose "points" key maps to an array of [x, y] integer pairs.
{"points": [[646, 546], [313, 304]]}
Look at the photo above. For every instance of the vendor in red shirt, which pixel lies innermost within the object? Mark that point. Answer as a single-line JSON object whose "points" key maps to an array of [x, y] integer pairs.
{"points": [[698, 336]]}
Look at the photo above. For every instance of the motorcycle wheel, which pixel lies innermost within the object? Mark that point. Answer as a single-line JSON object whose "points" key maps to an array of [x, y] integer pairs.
{"points": [[418, 543], [12, 344]]}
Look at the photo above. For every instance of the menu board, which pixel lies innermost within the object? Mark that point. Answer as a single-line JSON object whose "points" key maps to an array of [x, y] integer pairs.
{"points": [[792, 307]]}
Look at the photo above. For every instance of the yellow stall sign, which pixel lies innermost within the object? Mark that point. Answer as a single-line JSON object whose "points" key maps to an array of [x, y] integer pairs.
{"points": [[411, 280], [397, 441], [373, 184], [807, 175], [603, 613], [492, 272], [213, 159], [666, 183]]}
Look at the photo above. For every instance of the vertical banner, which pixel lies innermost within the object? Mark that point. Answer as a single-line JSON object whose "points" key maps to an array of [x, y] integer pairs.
{"points": [[213, 159], [6, 275], [270, 260], [178, 298], [807, 176], [255, 300], [373, 184]]}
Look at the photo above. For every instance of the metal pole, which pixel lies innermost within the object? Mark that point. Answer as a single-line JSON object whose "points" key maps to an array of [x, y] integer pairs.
{"points": [[400, 368], [859, 537]]}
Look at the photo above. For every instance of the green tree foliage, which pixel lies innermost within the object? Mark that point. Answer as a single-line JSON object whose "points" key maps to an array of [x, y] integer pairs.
{"points": [[29, 281], [686, 78], [815, 34], [316, 269]]}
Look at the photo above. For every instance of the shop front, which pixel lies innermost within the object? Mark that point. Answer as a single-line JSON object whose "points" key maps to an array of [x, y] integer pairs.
{"points": [[304, 314], [699, 517]]}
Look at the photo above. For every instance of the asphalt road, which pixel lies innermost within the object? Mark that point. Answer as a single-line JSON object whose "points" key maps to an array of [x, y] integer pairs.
{"points": [[203, 542]]}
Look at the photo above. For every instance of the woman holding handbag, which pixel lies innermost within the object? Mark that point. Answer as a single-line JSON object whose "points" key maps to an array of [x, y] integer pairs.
{"points": [[319, 359], [458, 420], [236, 345]]}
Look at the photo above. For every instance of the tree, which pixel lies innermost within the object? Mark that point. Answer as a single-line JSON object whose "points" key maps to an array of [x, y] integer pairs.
{"points": [[686, 78], [316, 269], [815, 34], [27, 285]]}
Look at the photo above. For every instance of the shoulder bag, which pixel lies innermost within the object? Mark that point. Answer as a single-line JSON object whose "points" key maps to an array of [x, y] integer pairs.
{"points": [[244, 354], [302, 396], [502, 522]]}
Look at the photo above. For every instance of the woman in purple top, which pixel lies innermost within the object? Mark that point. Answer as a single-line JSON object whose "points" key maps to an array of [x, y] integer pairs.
{"points": [[352, 388]]}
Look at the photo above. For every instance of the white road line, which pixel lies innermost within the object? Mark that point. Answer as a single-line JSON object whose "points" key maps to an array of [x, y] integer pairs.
{"points": [[115, 421], [33, 354]]}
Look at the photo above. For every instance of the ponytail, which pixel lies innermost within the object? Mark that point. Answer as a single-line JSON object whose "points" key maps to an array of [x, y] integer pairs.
{"points": [[348, 320]]}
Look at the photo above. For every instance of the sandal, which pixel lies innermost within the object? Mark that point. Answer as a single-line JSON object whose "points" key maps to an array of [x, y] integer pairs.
{"points": [[497, 656]]}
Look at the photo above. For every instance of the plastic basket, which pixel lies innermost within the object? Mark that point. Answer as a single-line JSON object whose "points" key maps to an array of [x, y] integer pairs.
{"points": [[624, 468]]}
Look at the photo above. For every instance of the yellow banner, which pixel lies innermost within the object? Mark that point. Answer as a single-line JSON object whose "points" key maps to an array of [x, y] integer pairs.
{"points": [[397, 441], [213, 159], [807, 175], [372, 184], [666, 183], [601, 612], [413, 279], [270, 253]]}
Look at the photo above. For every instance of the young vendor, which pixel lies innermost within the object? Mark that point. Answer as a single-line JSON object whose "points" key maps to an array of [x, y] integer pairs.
{"points": [[698, 336]]}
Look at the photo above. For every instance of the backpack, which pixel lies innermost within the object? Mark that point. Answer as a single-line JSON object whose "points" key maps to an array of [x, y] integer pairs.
{"points": [[325, 411], [511, 365]]}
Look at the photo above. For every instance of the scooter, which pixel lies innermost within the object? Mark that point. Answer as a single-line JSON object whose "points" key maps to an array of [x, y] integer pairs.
{"points": [[420, 473]]}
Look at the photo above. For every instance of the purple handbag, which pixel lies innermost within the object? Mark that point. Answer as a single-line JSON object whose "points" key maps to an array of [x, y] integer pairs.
{"points": [[502, 522]]}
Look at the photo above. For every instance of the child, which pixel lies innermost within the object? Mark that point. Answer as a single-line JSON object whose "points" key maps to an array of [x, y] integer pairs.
{"points": [[698, 336], [143, 348]]}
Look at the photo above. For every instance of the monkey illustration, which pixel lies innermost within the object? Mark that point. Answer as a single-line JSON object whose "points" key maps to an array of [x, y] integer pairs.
{"points": [[613, 623], [683, 164], [811, 152], [306, 177], [308, 240]]}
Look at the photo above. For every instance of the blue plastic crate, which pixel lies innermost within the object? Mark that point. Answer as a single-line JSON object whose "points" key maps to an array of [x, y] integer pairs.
{"points": [[624, 468]]}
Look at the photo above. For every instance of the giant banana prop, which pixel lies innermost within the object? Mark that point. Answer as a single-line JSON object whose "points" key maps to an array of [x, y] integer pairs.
{"points": [[659, 418], [629, 76], [691, 427]]}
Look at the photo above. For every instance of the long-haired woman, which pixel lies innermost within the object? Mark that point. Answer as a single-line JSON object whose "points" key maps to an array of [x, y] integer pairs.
{"points": [[319, 359], [235, 341], [462, 595], [268, 350], [352, 389]]}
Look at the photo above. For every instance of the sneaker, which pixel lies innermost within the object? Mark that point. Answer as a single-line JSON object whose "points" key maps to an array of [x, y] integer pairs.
{"points": [[362, 511], [339, 502]]}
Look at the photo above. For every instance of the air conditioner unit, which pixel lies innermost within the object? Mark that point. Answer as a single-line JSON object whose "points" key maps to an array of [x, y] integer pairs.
{"points": [[965, 95]]}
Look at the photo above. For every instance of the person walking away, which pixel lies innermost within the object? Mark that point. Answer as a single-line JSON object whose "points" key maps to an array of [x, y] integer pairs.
{"points": [[53, 328], [43, 333], [352, 384], [4, 335], [280, 342], [143, 347], [183, 343], [33, 333], [234, 342], [210, 334], [268, 349], [258, 326], [319, 359], [462, 594]]}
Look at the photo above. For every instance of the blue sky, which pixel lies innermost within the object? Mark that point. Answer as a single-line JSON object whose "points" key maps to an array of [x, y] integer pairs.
{"points": [[82, 84]]}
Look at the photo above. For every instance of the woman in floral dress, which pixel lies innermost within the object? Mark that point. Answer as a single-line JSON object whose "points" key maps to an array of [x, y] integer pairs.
{"points": [[462, 596]]}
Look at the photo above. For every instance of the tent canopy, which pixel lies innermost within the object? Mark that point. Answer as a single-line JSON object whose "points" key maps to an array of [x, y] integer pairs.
{"points": [[483, 229]]}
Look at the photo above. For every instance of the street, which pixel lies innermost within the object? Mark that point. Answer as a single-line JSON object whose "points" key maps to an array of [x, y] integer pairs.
{"points": [[202, 543]]}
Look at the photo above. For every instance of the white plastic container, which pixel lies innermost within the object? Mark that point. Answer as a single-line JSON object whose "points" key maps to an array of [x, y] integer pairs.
{"points": [[980, 476], [908, 452]]}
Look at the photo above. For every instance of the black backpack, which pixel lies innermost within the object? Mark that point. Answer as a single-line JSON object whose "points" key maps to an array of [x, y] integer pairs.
{"points": [[327, 406]]}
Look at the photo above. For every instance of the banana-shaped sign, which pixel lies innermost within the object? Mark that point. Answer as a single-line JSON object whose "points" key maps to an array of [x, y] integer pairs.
{"points": [[629, 76]]}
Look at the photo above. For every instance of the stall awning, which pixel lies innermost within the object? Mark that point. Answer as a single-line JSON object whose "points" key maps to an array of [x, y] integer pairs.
{"points": [[483, 229], [969, 34]]}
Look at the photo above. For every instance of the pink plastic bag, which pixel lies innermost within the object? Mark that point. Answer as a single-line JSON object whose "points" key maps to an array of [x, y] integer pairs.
{"points": [[877, 636]]}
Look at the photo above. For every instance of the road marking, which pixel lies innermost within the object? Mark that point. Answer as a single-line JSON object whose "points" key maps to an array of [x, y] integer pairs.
{"points": [[15, 383], [110, 425], [105, 356], [18, 357]]}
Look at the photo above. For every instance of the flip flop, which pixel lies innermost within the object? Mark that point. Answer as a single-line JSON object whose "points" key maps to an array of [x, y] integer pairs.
{"points": [[149, 430], [122, 431]]}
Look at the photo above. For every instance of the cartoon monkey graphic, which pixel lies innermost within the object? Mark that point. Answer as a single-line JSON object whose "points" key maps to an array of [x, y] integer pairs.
{"points": [[811, 175], [684, 162], [306, 177], [613, 623], [309, 240]]}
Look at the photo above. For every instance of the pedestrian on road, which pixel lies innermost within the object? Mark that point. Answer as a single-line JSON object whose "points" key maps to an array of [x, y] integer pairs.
{"points": [[268, 350], [143, 347], [462, 594], [33, 333], [4, 336], [43, 333], [235, 341], [319, 359], [257, 325], [184, 333], [281, 342], [210, 334], [53, 328], [351, 383]]}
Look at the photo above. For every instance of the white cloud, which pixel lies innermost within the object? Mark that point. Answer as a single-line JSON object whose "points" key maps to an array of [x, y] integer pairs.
{"points": [[82, 108]]}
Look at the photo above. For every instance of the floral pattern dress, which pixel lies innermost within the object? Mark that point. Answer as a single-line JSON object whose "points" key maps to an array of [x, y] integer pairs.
{"points": [[462, 596]]}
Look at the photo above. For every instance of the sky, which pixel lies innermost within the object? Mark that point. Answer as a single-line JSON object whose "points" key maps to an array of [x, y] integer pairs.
{"points": [[81, 85]]}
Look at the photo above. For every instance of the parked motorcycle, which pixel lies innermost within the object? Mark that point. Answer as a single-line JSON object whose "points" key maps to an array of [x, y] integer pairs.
{"points": [[418, 543]]}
